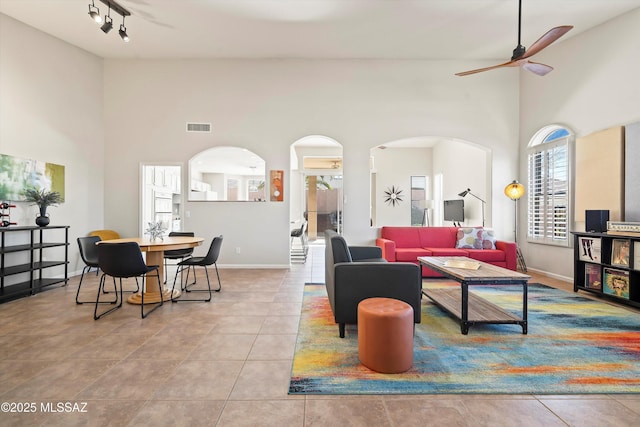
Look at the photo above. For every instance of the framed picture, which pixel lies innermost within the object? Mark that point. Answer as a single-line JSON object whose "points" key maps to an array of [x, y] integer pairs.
{"points": [[277, 189], [18, 174], [616, 282], [620, 249], [592, 276], [589, 248]]}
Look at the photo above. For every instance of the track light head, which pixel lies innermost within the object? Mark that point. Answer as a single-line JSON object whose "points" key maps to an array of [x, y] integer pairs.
{"points": [[108, 24], [94, 13], [123, 33]]}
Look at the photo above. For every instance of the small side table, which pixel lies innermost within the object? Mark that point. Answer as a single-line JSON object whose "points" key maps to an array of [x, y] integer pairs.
{"points": [[385, 335]]}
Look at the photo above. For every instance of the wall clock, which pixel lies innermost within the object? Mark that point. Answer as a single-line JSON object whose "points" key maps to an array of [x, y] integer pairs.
{"points": [[393, 196]]}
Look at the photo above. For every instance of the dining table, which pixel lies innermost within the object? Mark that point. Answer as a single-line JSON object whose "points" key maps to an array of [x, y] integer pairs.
{"points": [[154, 249]]}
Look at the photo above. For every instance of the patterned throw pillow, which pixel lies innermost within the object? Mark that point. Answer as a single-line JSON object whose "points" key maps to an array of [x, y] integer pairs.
{"points": [[475, 238]]}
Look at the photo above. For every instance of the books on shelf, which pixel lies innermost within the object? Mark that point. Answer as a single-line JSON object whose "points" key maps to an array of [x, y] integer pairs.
{"points": [[620, 249], [462, 263], [589, 249], [616, 282], [592, 276]]}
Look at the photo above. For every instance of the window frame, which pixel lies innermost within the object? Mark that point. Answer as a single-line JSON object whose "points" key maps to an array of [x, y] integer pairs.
{"points": [[550, 196]]}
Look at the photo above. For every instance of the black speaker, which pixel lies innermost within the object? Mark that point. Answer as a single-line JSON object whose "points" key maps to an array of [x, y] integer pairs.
{"points": [[596, 221]]}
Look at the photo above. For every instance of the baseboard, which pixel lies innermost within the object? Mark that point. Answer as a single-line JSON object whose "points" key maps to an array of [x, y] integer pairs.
{"points": [[552, 275], [255, 266]]}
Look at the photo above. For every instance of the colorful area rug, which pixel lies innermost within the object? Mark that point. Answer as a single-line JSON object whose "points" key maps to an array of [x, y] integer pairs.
{"points": [[575, 345]]}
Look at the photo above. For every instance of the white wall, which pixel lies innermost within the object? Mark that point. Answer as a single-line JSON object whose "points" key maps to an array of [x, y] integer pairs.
{"points": [[394, 167], [463, 166], [594, 86], [266, 105], [51, 110]]}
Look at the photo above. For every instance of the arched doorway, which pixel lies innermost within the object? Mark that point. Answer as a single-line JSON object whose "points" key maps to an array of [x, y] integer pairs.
{"points": [[316, 184], [423, 173]]}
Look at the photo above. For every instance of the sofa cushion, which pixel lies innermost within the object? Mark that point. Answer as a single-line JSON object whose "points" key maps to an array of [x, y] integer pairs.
{"points": [[486, 255], [411, 254], [488, 239], [475, 238], [340, 249], [437, 237], [405, 237], [448, 252]]}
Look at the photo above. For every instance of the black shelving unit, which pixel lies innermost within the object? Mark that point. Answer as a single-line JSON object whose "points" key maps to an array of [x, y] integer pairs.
{"points": [[33, 264], [608, 265]]}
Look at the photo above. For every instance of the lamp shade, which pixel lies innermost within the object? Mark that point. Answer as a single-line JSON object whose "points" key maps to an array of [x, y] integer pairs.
{"points": [[514, 191]]}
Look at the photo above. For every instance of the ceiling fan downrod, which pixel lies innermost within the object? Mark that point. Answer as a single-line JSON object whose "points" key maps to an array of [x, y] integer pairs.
{"points": [[519, 50]]}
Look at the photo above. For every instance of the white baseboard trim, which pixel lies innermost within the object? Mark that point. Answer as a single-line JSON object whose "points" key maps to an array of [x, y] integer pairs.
{"points": [[555, 276], [255, 266]]}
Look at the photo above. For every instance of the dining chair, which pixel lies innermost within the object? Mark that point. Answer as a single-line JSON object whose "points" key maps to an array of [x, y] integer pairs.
{"points": [[105, 234], [301, 233], [89, 254], [210, 259], [180, 254], [120, 261]]}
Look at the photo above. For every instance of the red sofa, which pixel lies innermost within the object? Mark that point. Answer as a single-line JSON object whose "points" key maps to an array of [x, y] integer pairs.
{"points": [[406, 244]]}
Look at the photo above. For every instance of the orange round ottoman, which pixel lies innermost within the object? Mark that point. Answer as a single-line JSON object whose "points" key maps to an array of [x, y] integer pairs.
{"points": [[385, 335]]}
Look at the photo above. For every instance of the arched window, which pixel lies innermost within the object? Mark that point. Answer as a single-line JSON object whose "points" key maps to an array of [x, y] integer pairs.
{"points": [[549, 208]]}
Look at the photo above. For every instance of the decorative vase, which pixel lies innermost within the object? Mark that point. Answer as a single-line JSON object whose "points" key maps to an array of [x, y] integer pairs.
{"points": [[42, 220]]}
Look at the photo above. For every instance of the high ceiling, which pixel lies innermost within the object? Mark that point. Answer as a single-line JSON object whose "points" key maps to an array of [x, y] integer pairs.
{"points": [[385, 29]]}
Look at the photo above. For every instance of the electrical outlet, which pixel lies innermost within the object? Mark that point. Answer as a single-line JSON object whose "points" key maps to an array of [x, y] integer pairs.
{"points": [[238, 250]]}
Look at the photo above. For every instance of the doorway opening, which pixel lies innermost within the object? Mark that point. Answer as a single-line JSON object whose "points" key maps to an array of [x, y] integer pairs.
{"points": [[161, 196], [316, 186], [324, 204]]}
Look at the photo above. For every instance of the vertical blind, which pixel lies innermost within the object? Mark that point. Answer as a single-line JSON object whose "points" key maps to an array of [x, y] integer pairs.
{"points": [[548, 197]]}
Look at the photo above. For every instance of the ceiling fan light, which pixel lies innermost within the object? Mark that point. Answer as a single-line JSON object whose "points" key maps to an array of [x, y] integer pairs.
{"points": [[123, 33]]}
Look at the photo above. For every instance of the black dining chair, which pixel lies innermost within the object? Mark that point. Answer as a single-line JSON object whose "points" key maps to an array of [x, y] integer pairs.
{"points": [[300, 253], [89, 254], [123, 260], [177, 254], [210, 259]]}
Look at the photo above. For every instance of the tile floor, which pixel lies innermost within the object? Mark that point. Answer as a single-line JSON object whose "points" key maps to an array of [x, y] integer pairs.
{"points": [[224, 363]]}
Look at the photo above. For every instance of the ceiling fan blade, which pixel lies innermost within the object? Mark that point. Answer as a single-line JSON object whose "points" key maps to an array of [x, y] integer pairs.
{"points": [[549, 37], [537, 68], [493, 67]]}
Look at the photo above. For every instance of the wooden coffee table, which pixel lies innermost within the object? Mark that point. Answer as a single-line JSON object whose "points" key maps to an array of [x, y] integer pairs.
{"points": [[470, 308]]}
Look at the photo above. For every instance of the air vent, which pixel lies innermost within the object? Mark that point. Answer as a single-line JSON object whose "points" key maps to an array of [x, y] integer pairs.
{"points": [[199, 127]]}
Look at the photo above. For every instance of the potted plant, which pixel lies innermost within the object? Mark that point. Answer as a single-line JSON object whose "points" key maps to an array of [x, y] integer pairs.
{"points": [[43, 198]]}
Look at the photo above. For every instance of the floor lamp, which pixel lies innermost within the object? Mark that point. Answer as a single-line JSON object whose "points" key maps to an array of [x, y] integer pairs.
{"points": [[468, 191], [515, 191]]}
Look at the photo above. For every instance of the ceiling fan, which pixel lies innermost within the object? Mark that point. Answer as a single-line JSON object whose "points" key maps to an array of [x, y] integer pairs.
{"points": [[521, 56]]}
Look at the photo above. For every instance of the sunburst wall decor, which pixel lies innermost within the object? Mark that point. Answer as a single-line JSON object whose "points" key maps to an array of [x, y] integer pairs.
{"points": [[393, 196]]}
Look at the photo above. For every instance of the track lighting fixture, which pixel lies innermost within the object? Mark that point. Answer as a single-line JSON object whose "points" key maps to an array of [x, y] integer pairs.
{"points": [[94, 12], [123, 32], [108, 24]]}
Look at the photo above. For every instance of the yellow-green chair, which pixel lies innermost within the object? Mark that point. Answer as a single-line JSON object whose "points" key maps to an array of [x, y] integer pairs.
{"points": [[105, 234]]}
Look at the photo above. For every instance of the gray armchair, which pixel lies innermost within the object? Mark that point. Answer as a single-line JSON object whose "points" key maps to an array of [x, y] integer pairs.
{"points": [[354, 273]]}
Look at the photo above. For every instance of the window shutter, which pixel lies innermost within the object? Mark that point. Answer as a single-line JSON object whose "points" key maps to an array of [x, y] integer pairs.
{"points": [[548, 197]]}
